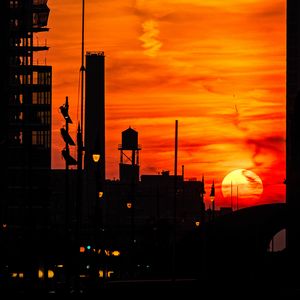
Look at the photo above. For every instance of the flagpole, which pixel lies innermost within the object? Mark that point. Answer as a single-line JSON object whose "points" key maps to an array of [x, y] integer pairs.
{"points": [[231, 196], [175, 204], [237, 197]]}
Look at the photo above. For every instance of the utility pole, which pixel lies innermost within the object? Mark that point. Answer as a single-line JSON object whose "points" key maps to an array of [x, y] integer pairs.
{"points": [[69, 160], [175, 204], [237, 197]]}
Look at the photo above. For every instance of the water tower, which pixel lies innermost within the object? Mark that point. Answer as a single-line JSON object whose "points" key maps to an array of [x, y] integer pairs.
{"points": [[129, 157]]}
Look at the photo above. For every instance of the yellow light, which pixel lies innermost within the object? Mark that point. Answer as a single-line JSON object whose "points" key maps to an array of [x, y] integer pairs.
{"points": [[40, 274], [4, 225], [100, 194], [82, 276], [109, 273], [101, 274], [129, 204], [116, 253], [197, 223], [81, 249], [50, 274], [14, 275], [107, 253], [21, 275], [60, 266], [96, 157], [212, 199]]}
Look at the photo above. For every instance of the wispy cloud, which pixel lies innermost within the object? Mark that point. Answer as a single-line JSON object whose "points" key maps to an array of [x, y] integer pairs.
{"points": [[149, 38]]}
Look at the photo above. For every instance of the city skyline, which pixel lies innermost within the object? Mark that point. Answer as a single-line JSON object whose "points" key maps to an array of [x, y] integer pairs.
{"points": [[217, 68]]}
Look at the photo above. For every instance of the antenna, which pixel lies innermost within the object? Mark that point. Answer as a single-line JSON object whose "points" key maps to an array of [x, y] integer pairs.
{"points": [[82, 71], [231, 195], [237, 197], [175, 202], [82, 68]]}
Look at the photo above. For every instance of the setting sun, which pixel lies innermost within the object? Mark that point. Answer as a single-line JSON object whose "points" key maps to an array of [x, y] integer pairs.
{"points": [[242, 188]]}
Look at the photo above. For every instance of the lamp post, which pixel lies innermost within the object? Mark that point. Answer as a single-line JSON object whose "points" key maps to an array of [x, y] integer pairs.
{"points": [[99, 195], [99, 188], [130, 204], [96, 157], [64, 109]]}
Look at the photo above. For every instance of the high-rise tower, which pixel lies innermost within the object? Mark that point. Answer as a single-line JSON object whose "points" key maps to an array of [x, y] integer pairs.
{"points": [[25, 134], [25, 111], [292, 129], [94, 131], [95, 111]]}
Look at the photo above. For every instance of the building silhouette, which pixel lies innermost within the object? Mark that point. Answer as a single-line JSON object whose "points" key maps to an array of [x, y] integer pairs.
{"points": [[25, 135], [94, 130], [292, 130], [94, 137], [25, 113], [135, 202]]}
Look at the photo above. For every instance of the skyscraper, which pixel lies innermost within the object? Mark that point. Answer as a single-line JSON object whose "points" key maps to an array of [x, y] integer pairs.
{"points": [[25, 114], [292, 128], [94, 132]]}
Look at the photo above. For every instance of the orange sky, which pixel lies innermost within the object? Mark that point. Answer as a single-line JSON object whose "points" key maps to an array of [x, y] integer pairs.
{"points": [[216, 66]]}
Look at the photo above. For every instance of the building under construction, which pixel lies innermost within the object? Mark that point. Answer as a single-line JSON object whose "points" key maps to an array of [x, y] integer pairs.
{"points": [[25, 116]]}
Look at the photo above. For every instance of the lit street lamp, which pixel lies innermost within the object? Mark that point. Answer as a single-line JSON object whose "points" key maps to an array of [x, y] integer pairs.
{"points": [[99, 186], [64, 109], [96, 157]]}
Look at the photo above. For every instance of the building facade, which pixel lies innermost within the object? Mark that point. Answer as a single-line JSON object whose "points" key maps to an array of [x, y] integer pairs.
{"points": [[94, 137], [292, 129], [25, 109]]}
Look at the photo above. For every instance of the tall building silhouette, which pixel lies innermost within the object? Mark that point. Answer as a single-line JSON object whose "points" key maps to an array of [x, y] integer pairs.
{"points": [[25, 109], [95, 110], [94, 131], [292, 128], [25, 140]]}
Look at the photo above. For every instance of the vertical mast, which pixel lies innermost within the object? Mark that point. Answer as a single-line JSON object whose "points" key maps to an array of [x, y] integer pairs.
{"points": [[175, 203], [82, 68]]}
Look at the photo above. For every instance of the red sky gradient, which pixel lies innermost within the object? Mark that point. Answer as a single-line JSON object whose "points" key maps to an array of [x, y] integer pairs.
{"points": [[218, 67]]}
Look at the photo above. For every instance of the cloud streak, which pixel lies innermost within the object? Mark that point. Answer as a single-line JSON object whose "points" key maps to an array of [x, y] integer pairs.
{"points": [[149, 38]]}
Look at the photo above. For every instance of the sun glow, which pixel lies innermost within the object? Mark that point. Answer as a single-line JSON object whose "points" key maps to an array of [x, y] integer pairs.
{"points": [[242, 186]]}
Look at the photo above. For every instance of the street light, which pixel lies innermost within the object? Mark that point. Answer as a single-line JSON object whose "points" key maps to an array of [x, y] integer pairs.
{"points": [[68, 158], [96, 157], [64, 109], [66, 137]]}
